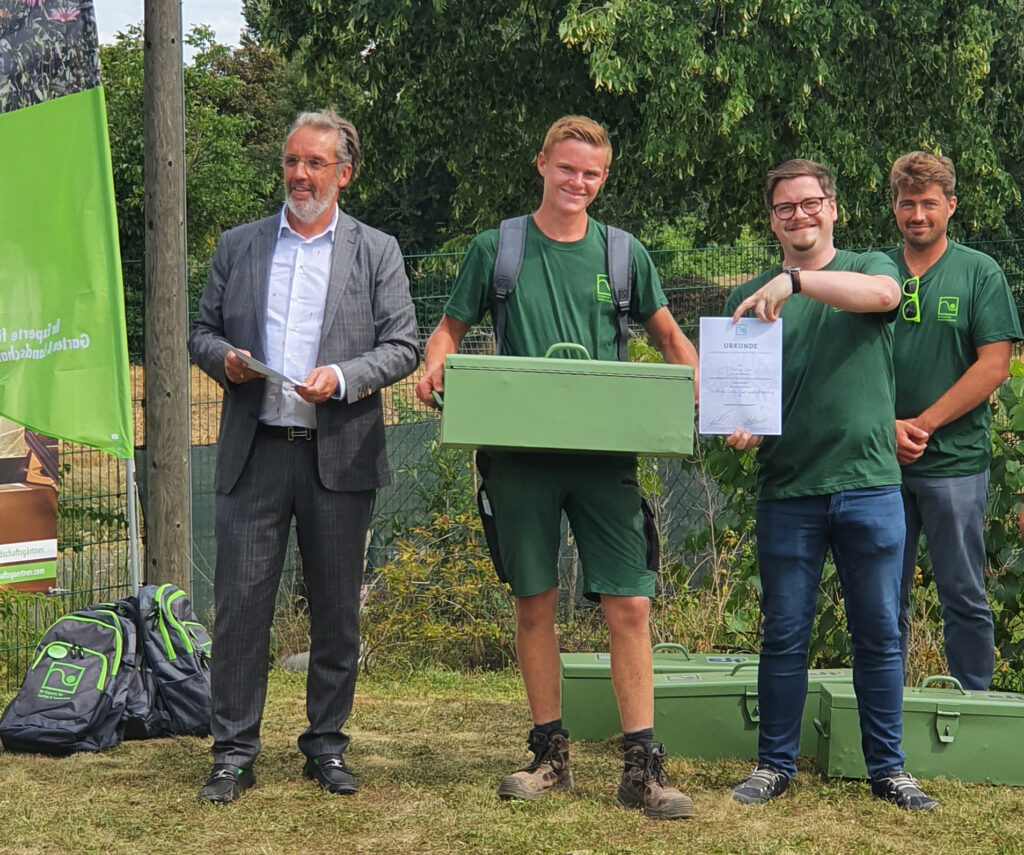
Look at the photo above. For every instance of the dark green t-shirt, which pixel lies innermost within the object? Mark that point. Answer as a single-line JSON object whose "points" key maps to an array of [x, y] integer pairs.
{"points": [[562, 293], [837, 393], [965, 302]]}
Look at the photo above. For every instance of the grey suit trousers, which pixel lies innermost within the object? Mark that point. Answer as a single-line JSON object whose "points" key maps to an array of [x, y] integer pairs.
{"points": [[280, 481]]}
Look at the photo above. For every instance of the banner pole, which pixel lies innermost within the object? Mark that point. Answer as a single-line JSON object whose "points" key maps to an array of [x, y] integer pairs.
{"points": [[133, 523]]}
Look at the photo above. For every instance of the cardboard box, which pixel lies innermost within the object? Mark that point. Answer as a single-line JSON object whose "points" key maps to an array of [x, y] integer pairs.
{"points": [[589, 707], [953, 733], [710, 715], [579, 405]]}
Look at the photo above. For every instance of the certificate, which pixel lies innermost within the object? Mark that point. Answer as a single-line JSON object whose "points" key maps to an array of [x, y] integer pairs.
{"points": [[740, 376], [266, 370]]}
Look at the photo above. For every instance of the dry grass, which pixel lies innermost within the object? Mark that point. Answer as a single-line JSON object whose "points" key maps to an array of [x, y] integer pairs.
{"points": [[428, 750]]}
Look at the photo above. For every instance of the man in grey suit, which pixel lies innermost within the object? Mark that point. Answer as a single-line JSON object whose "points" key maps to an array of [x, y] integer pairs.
{"points": [[315, 294]]}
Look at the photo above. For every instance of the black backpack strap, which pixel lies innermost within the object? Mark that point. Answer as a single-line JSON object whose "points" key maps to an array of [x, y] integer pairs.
{"points": [[507, 264], [620, 280]]}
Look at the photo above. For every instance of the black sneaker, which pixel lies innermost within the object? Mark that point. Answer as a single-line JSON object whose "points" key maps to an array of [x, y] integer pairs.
{"points": [[901, 789], [331, 773], [226, 783], [763, 784]]}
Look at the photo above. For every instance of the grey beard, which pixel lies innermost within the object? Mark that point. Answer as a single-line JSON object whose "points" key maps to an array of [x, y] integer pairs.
{"points": [[307, 212]]}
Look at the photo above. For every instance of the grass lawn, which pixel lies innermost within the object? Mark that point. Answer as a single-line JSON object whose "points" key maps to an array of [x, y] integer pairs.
{"points": [[428, 751]]}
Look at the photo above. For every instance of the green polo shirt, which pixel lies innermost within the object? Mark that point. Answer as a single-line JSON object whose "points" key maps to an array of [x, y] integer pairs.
{"points": [[965, 302], [837, 393], [562, 294]]}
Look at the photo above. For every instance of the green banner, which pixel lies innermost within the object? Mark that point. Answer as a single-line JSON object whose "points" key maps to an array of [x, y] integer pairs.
{"points": [[63, 348]]}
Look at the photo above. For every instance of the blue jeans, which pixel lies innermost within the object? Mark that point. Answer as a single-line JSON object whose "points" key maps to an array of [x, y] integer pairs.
{"points": [[865, 530], [952, 513]]}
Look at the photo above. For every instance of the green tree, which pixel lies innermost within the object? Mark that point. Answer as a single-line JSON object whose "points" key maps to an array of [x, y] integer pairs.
{"points": [[701, 99], [231, 177]]}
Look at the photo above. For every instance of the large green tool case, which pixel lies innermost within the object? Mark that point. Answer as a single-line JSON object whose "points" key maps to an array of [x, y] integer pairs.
{"points": [[589, 708], [953, 733], [552, 404], [716, 715]]}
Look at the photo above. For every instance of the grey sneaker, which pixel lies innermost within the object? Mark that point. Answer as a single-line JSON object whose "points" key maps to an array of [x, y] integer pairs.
{"points": [[901, 789], [645, 786], [762, 785], [548, 771]]}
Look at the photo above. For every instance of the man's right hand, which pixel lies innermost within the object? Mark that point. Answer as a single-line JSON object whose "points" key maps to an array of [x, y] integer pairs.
{"points": [[235, 368], [742, 439], [431, 381], [911, 441]]}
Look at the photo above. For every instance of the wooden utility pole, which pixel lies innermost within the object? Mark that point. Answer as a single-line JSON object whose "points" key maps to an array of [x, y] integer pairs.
{"points": [[168, 486]]}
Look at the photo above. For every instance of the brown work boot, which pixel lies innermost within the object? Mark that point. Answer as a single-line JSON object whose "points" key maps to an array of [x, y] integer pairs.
{"points": [[645, 786], [548, 771]]}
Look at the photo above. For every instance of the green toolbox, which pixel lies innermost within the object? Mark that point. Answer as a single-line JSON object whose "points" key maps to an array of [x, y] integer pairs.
{"points": [[953, 733], [554, 404], [716, 715], [589, 708]]}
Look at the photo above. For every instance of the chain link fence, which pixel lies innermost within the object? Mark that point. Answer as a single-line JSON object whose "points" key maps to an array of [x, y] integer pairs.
{"points": [[92, 509]]}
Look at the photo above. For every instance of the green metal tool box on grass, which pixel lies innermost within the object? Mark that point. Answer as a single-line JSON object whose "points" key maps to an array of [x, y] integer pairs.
{"points": [[589, 708], [953, 733], [716, 715], [554, 404]]}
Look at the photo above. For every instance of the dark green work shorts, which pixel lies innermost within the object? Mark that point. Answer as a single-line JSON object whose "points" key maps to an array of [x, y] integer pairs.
{"points": [[600, 496]]}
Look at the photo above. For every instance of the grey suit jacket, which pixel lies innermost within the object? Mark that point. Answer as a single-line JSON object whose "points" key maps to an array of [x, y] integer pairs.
{"points": [[369, 330]]}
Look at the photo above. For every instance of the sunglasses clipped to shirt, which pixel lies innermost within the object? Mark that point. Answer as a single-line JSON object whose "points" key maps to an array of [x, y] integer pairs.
{"points": [[911, 308]]}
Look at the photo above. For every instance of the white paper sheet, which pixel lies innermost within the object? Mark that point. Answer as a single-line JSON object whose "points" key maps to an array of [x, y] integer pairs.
{"points": [[740, 376], [267, 371]]}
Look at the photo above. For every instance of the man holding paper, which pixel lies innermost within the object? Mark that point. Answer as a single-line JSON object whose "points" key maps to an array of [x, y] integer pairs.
{"points": [[317, 295], [830, 481]]}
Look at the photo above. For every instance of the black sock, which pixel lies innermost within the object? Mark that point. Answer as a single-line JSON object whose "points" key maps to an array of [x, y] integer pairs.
{"points": [[549, 728], [637, 737]]}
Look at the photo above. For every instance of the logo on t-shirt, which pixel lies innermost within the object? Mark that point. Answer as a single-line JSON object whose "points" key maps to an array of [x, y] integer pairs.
{"points": [[604, 288], [949, 308]]}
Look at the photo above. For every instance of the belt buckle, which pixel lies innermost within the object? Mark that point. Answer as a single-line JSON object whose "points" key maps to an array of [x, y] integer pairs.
{"points": [[295, 433]]}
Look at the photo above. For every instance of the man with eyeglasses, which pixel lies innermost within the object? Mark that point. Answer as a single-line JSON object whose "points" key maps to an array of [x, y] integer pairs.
{"points": [[323, 299], [829, 482], [952, 350]]}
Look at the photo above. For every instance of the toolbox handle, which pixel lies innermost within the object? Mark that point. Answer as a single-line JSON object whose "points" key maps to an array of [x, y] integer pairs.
{"points": [[568, 345], [821, 727], [438, 398], [942, 678], [737, 667], [666, 646]]}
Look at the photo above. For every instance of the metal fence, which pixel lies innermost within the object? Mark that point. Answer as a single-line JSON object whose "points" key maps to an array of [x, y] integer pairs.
{"points": [[92, 509]]}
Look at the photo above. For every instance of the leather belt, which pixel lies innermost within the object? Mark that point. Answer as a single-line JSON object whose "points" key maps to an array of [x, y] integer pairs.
{"points": [[288, 432]]}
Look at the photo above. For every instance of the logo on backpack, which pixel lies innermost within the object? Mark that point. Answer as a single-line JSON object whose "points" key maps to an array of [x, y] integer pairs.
{"points": [[61, 681]]}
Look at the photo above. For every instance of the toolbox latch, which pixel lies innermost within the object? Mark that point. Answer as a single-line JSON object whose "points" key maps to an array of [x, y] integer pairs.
{"points": [[947, 722], [750, 704]]}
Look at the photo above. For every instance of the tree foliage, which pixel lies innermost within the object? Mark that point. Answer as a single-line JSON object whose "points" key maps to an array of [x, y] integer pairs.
{"points": [[701, 99], [236, 110]]}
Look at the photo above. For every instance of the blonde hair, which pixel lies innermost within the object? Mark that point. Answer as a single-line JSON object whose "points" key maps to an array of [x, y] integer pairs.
{"points": [[578, 128], [919, 169]]}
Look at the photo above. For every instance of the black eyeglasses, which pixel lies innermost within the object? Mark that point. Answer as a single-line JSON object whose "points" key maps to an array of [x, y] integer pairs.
{"points": [[911, 308], [314, 164], [811, 206]]}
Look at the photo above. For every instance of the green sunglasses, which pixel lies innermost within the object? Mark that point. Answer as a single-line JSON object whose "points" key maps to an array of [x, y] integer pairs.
{"points": [[911, 308]]}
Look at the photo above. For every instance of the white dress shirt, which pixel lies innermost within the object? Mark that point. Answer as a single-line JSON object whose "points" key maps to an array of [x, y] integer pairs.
{"points": [[299, 275]]}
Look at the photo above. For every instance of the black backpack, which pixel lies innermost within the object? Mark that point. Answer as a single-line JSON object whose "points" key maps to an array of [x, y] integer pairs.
{"points": [[76, 690], [176, 650]]}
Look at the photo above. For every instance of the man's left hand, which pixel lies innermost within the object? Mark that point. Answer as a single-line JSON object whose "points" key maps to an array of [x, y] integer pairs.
{"points": [[320, 384]]}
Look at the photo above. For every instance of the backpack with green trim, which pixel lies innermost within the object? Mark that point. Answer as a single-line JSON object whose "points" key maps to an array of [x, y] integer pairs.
{"points": [[75, 693], [176, 651]]}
